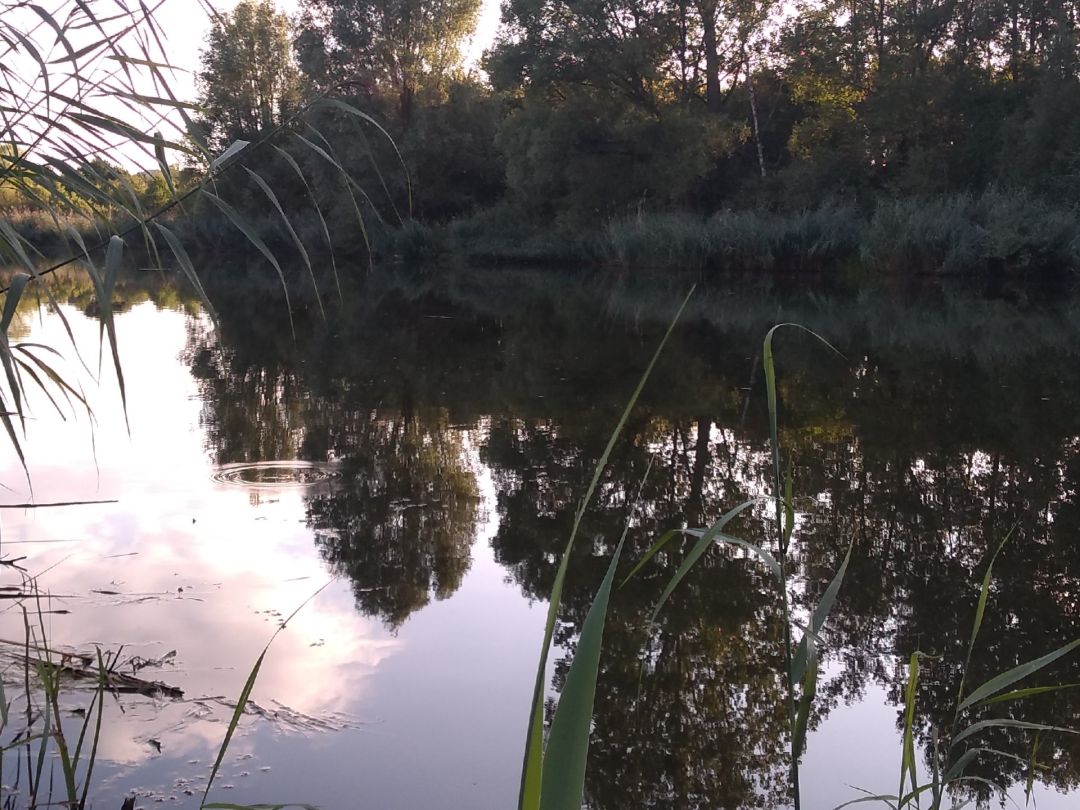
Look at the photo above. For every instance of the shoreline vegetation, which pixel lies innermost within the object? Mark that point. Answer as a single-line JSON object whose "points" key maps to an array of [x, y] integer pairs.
{"points": [[996, 232]]}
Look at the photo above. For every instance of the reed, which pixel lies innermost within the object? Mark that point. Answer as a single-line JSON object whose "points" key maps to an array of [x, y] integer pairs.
{"points": [[947, 234]]}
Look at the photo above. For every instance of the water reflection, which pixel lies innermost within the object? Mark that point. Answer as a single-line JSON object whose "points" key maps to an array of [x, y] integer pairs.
{"points": [[401, 521], [923, 458], [943, 428]]}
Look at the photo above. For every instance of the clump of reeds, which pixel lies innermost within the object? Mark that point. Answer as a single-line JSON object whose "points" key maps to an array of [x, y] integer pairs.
{"points": [[959, 233]]}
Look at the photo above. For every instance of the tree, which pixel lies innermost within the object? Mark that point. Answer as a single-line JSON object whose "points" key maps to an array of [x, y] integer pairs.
{"points": [[403, 47], [249, 80]]}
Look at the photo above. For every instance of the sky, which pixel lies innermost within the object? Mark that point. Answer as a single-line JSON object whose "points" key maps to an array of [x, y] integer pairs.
{"points": [[186, 23]]}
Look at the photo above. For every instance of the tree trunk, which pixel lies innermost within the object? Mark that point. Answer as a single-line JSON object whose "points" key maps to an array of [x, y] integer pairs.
{"points": [[712, 57]]}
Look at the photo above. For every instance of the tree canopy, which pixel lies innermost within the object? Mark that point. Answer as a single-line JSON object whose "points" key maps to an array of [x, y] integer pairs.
{"points": [[403, 47], [249, 79]]}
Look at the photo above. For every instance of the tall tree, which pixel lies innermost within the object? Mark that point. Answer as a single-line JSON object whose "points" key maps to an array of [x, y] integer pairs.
{"points": [[249, 80], [403, 47]]}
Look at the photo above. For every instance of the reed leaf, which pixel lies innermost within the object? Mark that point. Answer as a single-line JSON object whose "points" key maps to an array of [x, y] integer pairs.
{"points": [[907, 759], [97, 729], [890, 800], [245, 228], [351, 110], [187, 267], [709, 536], [1020, 694], [529, 795], [654, 549], [234, 721], [563, 781], [270, 195], [11, 301], [1029, 782], [1007, 679], [806, 699], [982, 725], [318, 213], [980, 610], [819, 617], [245, 694]]}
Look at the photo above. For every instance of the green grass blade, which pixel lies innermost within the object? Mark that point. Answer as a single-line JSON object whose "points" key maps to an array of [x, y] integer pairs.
{"points": [[563, 781], [11, 302], [1020, 694], [982, 725], [187, 267], [97, 729], [665, 538], [270, 195], [1029, 782], [907, 761], [533, 764], [245, 228], [774, 434], [956, 770], [1015, 674], [769, 363], [713, 535], [980, 611], [245, 694], [234, 721], [820, 616]]}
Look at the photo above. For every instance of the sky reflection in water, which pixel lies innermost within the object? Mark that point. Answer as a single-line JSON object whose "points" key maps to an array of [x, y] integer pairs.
{"points": [[208, 569]]}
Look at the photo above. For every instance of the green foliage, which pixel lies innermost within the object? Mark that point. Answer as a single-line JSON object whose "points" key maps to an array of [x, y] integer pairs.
{"points": [[249, 81], [553, 775], [406, 49], [589, 159], [962, 233]]}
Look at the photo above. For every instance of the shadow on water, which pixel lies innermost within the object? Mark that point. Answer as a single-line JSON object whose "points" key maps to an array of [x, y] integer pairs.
{"points": [[952, 419]]}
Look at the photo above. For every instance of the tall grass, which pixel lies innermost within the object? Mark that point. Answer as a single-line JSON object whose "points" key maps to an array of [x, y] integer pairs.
{"points": [[944, 234], [42, 735]]}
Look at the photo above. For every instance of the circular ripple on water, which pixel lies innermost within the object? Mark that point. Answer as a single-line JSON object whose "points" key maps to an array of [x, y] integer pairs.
{"points": [[273, 474]]}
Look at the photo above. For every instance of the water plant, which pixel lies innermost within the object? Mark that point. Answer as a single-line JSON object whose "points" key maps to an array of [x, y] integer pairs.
{"points": [[42, 736]]}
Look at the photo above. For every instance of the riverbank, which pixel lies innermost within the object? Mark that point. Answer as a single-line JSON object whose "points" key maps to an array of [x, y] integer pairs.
{"points": [[993, 233]]}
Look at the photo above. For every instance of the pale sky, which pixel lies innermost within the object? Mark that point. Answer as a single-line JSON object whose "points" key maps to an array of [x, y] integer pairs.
{"points": [[185, 24]]}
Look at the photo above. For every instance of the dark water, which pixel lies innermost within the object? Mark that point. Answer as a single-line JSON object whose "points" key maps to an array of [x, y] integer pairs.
{"points": [[428, 446]]}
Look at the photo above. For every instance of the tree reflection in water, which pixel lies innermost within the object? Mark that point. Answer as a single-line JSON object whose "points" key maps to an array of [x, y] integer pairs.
{"points": [[922, 451], [401, 521]]}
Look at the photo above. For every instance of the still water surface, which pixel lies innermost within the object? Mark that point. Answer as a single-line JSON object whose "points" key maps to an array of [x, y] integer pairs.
{"points": [[426, 449]]}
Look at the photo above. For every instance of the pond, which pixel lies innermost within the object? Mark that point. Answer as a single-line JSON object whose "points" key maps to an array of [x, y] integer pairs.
{"points": [[423, 448]]}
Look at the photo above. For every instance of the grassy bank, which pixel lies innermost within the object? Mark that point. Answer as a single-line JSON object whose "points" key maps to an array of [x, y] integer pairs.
{"points": [[946, 234], [994, 232]]}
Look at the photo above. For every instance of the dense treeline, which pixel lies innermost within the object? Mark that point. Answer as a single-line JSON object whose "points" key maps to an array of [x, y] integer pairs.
{"points": [[737, 133]]}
